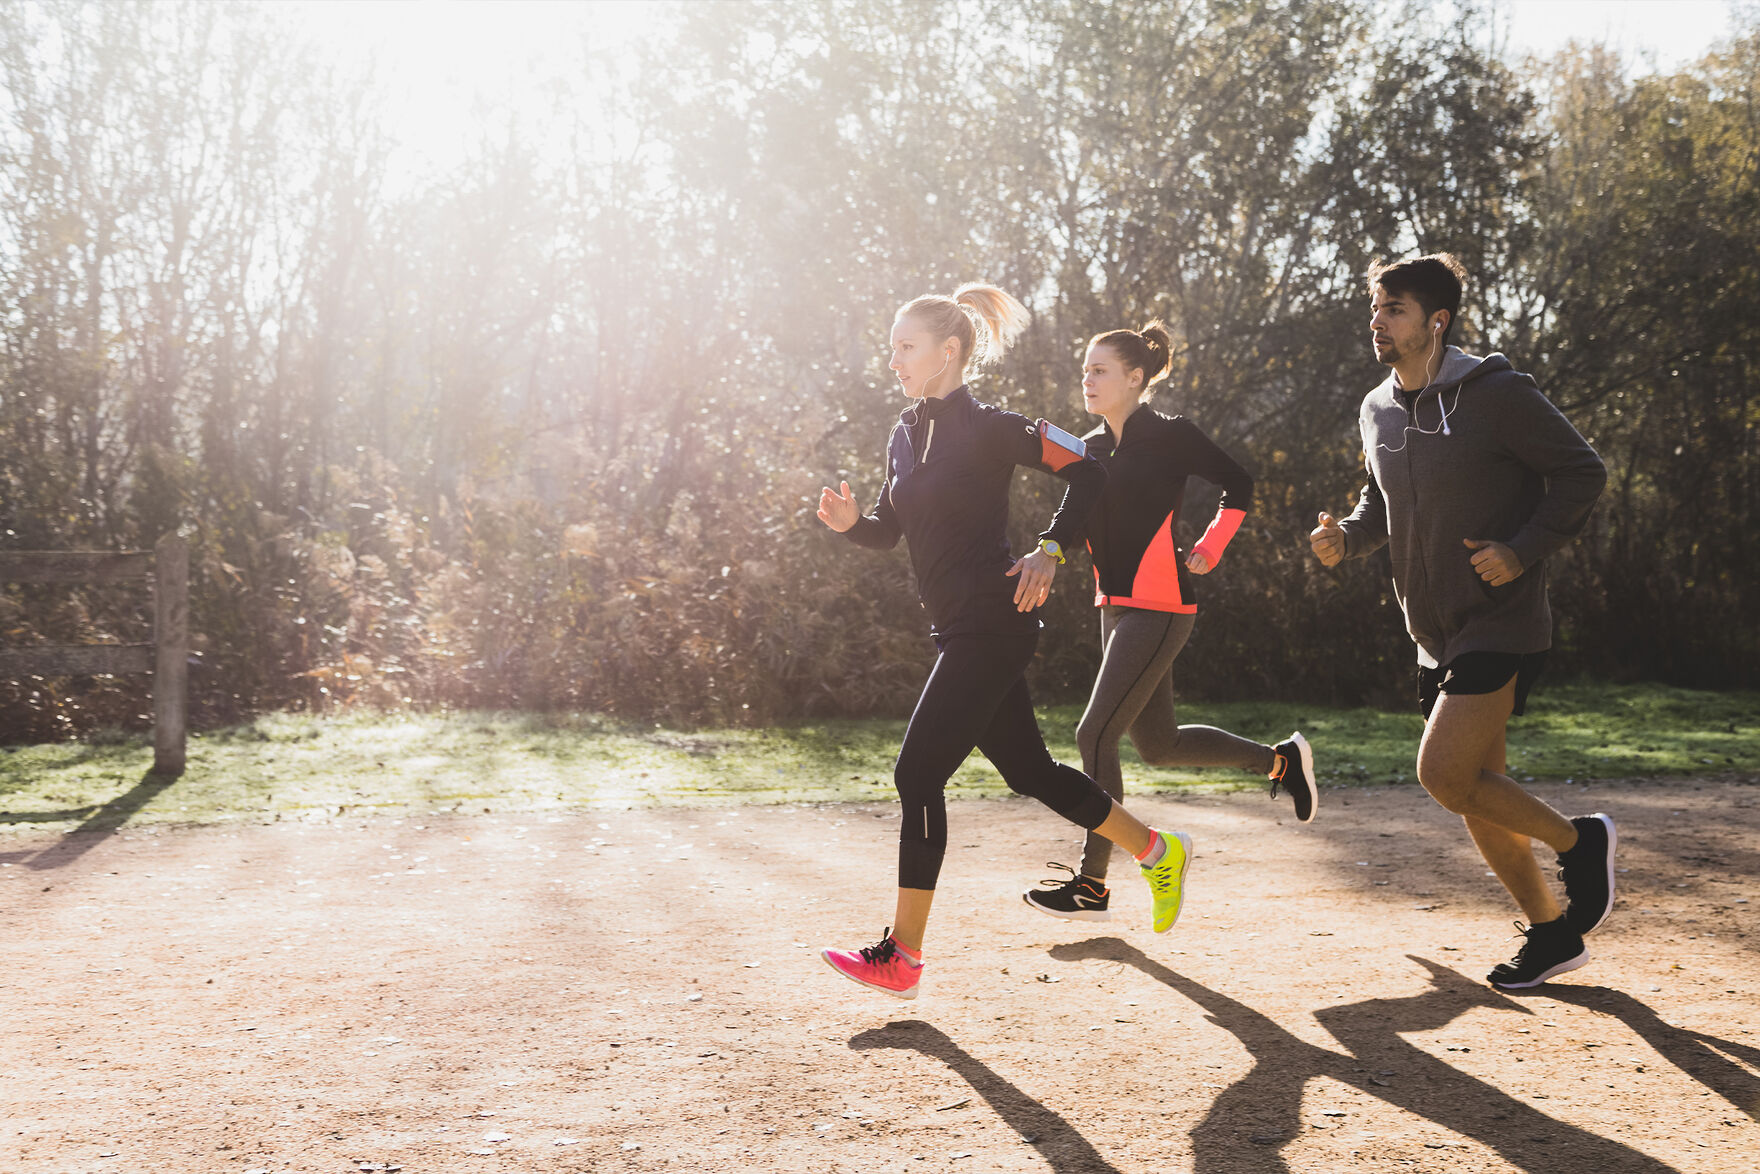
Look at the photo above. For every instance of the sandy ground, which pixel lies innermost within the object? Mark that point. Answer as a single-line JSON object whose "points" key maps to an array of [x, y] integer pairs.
{"points": [[639, 990]]}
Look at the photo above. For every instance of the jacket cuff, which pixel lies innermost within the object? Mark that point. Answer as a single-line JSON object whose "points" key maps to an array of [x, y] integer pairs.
{"points": [[1062, 540], [1221, 532], [1529, 546], [862, 533]]}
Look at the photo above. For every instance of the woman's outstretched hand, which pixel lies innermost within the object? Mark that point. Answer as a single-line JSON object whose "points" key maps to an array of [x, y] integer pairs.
{"points": [[838, 510], [1036, 571]]}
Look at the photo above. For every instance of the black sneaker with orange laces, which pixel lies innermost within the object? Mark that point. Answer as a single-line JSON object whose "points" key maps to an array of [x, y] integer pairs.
{"points": [[1293, 771]]}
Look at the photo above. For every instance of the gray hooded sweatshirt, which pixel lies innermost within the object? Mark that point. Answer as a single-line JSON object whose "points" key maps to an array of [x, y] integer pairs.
{"points": [[1506, 467]]}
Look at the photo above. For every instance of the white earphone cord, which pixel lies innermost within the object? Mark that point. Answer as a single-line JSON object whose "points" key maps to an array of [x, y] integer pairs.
{"points": [[946, 361], [916, 409], [1435, 342]]}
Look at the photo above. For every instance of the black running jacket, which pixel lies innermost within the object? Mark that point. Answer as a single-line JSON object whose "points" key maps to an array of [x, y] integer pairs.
{"points": [[1134, 533], [948, 466]]}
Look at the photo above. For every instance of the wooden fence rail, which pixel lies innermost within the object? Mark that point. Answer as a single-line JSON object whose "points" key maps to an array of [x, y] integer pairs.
{"points": [[167, 565]]}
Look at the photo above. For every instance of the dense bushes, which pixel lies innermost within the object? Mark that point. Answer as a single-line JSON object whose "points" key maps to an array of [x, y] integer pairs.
{"points": [[544, 432]]}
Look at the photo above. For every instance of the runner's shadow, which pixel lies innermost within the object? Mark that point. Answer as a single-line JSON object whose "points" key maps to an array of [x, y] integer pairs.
{"points": [[16, 817], [1434, 1088], [1693, 1052], [99, 824], [1264, 1106], [1056, 1140]]}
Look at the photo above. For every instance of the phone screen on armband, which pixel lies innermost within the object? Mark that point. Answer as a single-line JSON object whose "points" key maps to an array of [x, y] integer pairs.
{"points": [[1064, 439]]}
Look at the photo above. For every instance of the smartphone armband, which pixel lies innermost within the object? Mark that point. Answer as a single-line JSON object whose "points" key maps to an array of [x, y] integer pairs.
{"points": [[1058, 449]]}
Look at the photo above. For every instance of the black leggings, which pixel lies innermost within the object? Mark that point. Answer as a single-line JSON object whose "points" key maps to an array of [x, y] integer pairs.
{"points": [[976, 696]]}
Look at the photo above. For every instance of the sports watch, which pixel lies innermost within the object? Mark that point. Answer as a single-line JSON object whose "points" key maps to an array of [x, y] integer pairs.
{"points": [[1053, 548]]}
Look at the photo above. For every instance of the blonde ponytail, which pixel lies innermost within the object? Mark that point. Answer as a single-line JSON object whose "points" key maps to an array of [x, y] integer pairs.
{"points": [[984, 319], [1002, 316]]}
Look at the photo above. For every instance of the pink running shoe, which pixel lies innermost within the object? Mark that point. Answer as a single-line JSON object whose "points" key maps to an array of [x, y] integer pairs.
{"points": [[881, 967]]}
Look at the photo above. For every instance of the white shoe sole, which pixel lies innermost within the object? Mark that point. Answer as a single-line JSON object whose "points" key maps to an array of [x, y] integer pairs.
{"points": [[1076, 915], [910, 994], [1307, 753], [1612, 843], [1560, 968]]}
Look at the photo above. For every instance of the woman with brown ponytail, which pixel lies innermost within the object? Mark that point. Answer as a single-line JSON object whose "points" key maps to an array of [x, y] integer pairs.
{"points": [[1145, 599], [945, 491]]}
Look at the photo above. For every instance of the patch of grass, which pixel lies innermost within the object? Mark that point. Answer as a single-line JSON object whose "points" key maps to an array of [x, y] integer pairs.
{"points": [[290, 766]]}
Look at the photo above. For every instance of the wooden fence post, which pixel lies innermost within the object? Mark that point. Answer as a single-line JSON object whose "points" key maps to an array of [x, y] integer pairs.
{"points": [[171, 653]]}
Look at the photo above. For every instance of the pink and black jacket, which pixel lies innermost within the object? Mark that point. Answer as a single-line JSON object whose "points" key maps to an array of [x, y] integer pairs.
{"points": [[1133, 532], [948, 466]]}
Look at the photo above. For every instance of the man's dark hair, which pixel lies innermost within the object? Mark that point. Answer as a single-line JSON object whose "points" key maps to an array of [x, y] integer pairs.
{"points": [[1434, 280]]}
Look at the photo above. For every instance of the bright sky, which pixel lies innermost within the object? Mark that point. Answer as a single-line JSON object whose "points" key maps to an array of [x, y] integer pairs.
{"points": [[440, 60], [1675, 32]]}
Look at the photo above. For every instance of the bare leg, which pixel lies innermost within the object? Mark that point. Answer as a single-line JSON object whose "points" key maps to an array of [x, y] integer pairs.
{"points": [[911, 920], [1463, 732], [1511, 856], [1125, 830]]}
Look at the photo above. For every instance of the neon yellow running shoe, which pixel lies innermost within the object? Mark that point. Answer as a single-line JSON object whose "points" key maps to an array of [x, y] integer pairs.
{"points": [[1167, 878]]}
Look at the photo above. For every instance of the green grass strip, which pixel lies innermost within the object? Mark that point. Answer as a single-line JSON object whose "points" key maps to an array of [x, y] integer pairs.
{"points": [[290, 766]]}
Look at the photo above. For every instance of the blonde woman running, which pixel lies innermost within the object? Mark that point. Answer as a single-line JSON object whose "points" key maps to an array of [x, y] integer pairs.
{"points": [[949, 462]]}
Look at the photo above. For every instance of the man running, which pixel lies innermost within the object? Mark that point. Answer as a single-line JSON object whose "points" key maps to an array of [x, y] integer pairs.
{"points": [[1474, 478]]}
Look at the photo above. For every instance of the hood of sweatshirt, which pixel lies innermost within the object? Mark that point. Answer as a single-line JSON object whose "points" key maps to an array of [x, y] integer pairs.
{"points": [[1457, 368], [1478, 454]]}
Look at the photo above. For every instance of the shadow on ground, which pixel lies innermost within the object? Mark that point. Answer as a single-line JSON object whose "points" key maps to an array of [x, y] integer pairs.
{"points": [[1264, 1106], [1705, 1058], [1067, 1151], [97, 823]]}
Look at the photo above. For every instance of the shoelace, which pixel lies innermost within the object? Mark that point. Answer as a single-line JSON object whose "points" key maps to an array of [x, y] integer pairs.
{"points": [[1053, 882], [876, 955], [1282, 769], [1075, 879]]}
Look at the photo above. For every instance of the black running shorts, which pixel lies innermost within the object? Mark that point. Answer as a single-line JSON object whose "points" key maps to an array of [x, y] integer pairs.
{"points": [[1480, 672]]}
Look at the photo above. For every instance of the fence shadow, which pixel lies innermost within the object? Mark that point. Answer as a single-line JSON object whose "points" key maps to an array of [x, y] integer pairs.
{"points": [[97, 823], [1057, 1142], [1264, 1106]]}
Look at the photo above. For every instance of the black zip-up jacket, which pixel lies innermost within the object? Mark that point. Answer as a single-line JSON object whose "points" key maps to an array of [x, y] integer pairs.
{"points": [[948, 466], [1134, 535]]}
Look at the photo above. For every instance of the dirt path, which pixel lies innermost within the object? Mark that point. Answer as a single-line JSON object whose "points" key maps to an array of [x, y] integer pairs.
{"points": [[638, 990]]}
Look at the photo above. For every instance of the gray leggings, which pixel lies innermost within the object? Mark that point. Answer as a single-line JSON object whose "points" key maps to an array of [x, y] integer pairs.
{"points": [[1134, 694]]}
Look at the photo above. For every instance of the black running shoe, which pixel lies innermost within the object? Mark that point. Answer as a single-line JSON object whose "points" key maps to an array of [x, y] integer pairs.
{"points": [[1075, 899], [1550, 949], [1294, 772], [1587, 873]]}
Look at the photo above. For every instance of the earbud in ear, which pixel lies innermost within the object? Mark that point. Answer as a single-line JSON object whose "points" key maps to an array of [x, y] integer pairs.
{"points": [[1437, 326]]}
